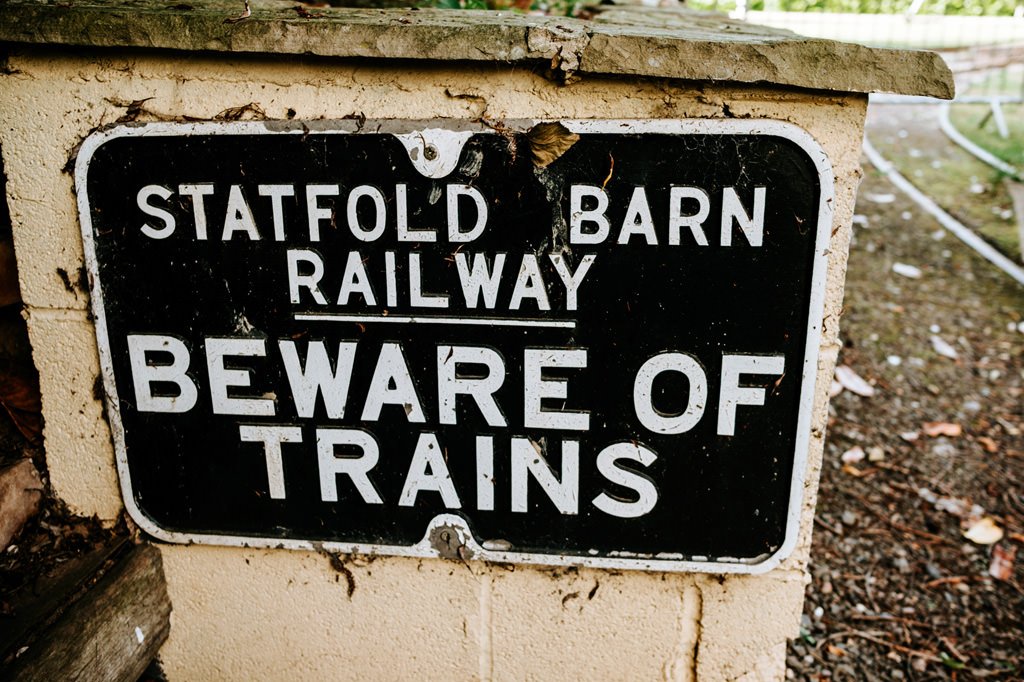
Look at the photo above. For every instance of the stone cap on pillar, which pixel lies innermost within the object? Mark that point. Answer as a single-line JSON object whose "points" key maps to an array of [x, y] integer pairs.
{"points": [[624, 40]]}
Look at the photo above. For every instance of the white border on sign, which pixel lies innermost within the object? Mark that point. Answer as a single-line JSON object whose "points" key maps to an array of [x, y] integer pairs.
{"points": [[451, 142]]}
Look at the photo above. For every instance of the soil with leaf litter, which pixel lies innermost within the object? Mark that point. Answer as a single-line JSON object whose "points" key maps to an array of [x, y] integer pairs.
{"points": [[917, 567]]}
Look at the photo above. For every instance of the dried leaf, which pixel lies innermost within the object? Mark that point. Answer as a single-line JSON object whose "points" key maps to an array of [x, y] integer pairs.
{"points": [[943, 348], [9, 292], [19, 395], [238, 113], [548, 141], [989, 444], [852, 471], [1001, 567], [984, 532], [936, 429], [907, 270], [853, 455], [851, 381], [876, 454]]}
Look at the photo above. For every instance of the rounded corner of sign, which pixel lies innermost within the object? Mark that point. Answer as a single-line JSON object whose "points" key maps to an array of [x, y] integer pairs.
{"points": [[150, 527], [775, 559], [94, 141]]}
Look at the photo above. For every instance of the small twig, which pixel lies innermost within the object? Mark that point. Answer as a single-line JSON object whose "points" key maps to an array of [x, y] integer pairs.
{"points": [[898, 647], [951, 580], [895, 619], [953, 650], [899, 526], [827, 526]]}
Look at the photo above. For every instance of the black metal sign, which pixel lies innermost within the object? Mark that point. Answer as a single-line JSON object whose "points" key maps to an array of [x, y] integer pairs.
{"points": [[586, 343]]}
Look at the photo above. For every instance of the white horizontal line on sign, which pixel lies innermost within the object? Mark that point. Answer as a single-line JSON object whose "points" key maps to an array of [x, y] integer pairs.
{"points": [[429, 319]]}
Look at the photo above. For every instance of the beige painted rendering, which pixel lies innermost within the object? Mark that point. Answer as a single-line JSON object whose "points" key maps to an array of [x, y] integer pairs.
{"points": [[285, 614]]}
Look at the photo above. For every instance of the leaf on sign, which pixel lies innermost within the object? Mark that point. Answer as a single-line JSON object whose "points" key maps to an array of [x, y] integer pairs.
{"points": [[1001, 567], [851, 381], [548, 141], [936, 429], [984, 532]]}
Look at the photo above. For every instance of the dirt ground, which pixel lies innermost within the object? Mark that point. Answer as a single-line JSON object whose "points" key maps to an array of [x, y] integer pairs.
{"points": [[898, 591]]}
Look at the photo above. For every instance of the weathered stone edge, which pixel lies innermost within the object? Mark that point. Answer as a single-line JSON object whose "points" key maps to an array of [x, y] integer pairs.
{"points": [[768, 56]]}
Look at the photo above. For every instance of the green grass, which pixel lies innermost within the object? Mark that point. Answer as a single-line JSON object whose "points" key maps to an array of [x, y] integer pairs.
{"points": [[969, 189], [975, 121]]}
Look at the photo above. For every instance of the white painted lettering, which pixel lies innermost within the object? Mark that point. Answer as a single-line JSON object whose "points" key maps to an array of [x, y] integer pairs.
{"points": [[277, 194], [638, 220], [356, 468], [392, 369], [379, 215], [416, 296], [310, 282], [485, 473], [144, 374], [752, 226], [732, 394], [571, 280], [355, 281], [477, 280], [536, 388], [196, 193], [428, 471], [238, 217], [402, 219], [222, 378], [315, 213], [272, 437], [450, 383], [455, 233], [142, 199], [646, 491], [529, 284], [578, 216], [653, 418], [527, 460], [678, 220], [317, 377]]}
